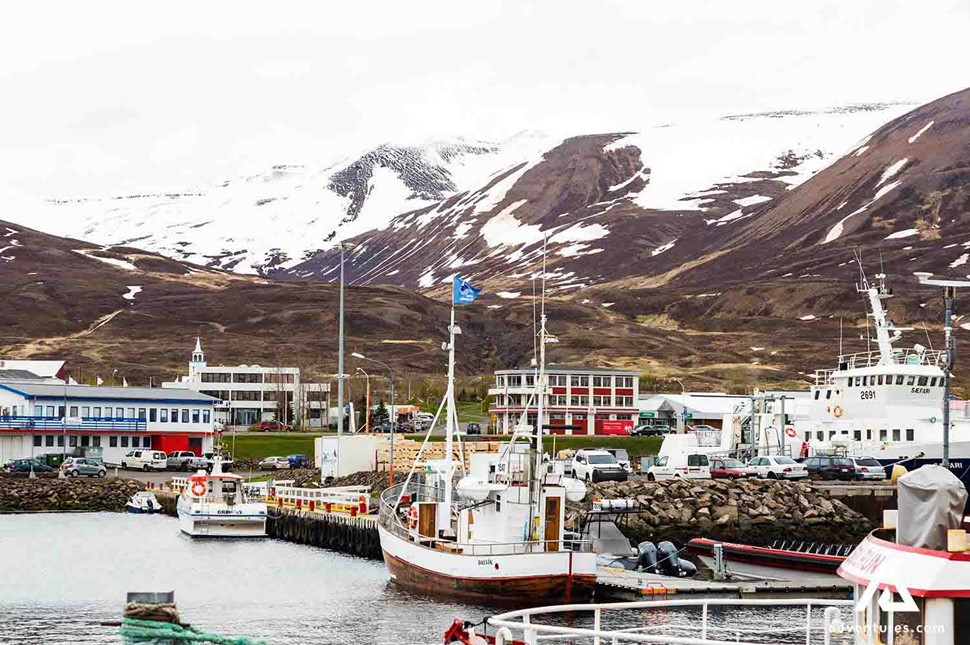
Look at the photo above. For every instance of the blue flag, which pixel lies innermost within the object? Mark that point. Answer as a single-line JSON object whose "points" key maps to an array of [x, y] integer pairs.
{"points": [[462, 292]]}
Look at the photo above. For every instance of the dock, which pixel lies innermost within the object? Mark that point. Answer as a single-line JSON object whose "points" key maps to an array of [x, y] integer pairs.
{"points": [[624, 586]]}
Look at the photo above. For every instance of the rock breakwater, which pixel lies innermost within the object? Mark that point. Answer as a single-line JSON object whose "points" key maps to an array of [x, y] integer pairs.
{"points": [[74, 494]]}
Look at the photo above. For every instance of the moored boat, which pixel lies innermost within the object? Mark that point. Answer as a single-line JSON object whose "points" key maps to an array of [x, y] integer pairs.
{"points": [[215, 504], [143, 502], [788, 561]]}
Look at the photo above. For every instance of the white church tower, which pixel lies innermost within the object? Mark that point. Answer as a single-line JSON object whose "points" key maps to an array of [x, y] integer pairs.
{"points": [[198, 360]]}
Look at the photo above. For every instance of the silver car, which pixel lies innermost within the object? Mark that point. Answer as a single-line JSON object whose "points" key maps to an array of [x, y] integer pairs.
{"points": [[868, 468], [76, 466]]}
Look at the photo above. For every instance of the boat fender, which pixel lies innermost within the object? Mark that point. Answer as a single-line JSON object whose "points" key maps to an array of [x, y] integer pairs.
{"points": [[670, 564], [198, 489], [838, 411], [647, 557], [413, 517]]}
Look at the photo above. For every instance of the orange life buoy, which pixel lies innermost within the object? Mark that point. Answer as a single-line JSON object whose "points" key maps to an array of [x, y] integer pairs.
{"points": [[413, 518], [198, 489], [838, 411], [790, 431]]}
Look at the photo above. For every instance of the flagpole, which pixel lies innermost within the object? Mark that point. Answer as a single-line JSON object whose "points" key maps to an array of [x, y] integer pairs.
{"points": [[445, 521]]}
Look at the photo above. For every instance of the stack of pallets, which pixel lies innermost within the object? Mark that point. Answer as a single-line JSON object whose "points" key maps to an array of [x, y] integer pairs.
{"points": [[406, 452]]}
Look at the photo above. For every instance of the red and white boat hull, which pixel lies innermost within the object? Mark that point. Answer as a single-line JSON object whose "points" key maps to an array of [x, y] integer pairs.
{"points": [[553, 576]]}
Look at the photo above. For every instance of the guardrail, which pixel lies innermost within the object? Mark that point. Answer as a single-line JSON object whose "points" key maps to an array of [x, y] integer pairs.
{"points": [[523, 622], [72, 423], [351, 500]]}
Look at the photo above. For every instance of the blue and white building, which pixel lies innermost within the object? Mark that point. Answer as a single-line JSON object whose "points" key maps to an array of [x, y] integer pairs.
{"points": [[38, 418]]}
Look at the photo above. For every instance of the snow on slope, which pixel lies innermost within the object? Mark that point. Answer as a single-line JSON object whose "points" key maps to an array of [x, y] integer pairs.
{"points": [[685, 160]]}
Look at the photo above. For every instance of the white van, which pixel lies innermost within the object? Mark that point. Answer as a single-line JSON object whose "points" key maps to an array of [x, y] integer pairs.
{"points": [[685, 465], [145, 460]]}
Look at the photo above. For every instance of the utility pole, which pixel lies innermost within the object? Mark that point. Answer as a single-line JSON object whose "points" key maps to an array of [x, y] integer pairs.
{"points": [[340, 361]]}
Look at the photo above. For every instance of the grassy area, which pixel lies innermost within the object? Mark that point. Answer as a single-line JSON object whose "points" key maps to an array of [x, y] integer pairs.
{"points": [[264, 444], [467, 410]]}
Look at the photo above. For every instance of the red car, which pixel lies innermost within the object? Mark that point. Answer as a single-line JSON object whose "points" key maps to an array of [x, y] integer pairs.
{"points": [[274, 425], [730, 469]]}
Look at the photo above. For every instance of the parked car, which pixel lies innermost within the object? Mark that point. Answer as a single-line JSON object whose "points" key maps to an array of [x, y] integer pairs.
{"points": [[867, 468], [621, 455], [778, 467], [651, 431], [681, 466], [592, 465], [186, 460], [76, 466], [826, 467], [473, 428], [298, 461], [274, 463], [274, 425], [26, 465], [724, 468], [145, 460]]}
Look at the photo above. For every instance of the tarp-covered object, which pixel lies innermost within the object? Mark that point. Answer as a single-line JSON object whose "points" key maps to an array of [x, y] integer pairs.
{"points": [[931, 501]]}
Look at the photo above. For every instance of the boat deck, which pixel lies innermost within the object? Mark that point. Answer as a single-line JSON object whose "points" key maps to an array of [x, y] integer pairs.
{"points": [[621, 585]]}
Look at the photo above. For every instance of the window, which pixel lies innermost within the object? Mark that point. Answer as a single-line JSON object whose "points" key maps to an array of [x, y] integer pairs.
{"points": [[831, 435], [96, 441], [37, 440], [85, 441], [73, 412], [131, 413], [206, 416], [883, 435], [579, 381], [828, 394], [146, 442], [820, 435], [879, 378], [869, 435], [209, 377], [247, 378], [50, 411], [112, 442], [163, 415], [933, 382], [899, 380], [500, 381], [817, 394], [857, 435], [175, 415], [910, 380], [96, 412], [910, 435], [73, 441], [124, 441], [38, 411], [895, 434], [923, 380], [153, 415], [85, 411], [135, 442], [141, 414], [60, 441], [195, 415], [49, 440]]}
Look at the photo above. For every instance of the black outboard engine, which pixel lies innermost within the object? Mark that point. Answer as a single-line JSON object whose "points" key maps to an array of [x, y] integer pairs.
{"points": [[647, 557], [669, 564]]}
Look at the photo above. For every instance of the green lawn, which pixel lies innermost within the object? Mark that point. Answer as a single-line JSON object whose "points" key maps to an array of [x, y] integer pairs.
{"points": [[467, 411], [263, 444]]}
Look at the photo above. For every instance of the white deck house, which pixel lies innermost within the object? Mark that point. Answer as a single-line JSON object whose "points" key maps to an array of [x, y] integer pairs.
{"points": [[247, 394], [38, 418]]}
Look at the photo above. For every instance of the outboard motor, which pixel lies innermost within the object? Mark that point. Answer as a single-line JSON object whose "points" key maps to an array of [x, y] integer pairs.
{"points": [[669, 564], [647, 557]]}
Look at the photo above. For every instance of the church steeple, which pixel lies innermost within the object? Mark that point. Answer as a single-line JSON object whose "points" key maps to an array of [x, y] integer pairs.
{"points": [[198, 358]]}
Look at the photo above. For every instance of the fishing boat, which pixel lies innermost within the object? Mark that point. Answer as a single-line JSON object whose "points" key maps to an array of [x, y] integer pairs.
{"points": [[215, 504], [143, 502], [497, 533]]}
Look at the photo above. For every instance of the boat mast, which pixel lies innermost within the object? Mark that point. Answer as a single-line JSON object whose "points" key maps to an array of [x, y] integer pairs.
{"points": [[444, 517], [540, 395]]}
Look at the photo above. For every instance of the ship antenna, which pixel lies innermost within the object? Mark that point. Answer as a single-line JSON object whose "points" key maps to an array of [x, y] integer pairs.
{"points": [[841, 353], [535, 324], [928, 340]]}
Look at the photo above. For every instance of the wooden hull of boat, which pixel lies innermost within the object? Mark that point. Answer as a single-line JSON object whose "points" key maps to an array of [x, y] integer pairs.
{"points": [[554, 588]]}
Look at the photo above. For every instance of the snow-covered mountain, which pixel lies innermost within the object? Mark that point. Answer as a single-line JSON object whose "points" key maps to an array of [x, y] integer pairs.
{"points": [[477, 206], [277, 218]]}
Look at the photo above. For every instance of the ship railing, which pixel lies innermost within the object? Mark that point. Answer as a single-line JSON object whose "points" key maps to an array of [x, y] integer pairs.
{"points": [[821, 620]]}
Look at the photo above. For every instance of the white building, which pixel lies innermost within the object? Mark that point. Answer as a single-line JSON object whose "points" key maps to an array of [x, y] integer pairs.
{"points": [[248, 394], [38, 418]]}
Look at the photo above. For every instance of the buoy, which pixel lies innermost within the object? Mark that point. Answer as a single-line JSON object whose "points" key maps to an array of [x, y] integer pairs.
{"points": [[838, 411], [312, 505], [898, 471], [790, 431], [198, 489], [362, 502], [413, 517]]}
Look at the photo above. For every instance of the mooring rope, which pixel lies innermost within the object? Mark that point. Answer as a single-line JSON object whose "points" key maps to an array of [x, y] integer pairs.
{"points": [[139, 631]]}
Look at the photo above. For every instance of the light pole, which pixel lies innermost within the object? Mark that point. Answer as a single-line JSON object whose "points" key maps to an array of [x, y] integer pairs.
{"points": [[683, 405], [367, 404], [390, 373], [949, 294]]}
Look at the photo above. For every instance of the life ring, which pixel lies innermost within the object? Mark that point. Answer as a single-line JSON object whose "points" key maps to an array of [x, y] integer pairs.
{"points": [[790, 431], [838, 411], [413, 518], [198, 489]]}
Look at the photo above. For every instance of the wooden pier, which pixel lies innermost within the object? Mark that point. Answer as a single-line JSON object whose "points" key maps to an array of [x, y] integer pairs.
{"points": [[622, 585]]}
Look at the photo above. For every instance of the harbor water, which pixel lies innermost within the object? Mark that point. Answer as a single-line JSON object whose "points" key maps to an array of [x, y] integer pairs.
{"points": [[65, 573]]}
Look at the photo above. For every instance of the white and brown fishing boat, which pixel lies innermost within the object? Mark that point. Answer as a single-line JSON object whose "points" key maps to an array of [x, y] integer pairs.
{"points": [[495, 534]]}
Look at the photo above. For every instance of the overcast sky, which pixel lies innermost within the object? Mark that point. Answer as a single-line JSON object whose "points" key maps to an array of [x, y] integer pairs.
{"points": [[113, 97]]}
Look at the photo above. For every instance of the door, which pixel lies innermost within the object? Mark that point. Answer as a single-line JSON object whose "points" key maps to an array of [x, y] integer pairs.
{"points": [[427, 519], [552, 523]]}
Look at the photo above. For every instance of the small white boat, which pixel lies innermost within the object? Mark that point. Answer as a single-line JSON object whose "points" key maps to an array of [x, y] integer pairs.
{"points": [[215, 505], [143, 502]]}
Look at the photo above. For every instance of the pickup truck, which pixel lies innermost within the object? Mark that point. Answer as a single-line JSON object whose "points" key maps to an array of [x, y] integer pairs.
{"points": [[186, 460]]}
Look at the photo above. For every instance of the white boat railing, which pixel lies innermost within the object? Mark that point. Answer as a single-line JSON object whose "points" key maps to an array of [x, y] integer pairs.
{"points": [[911, 356], [523, 624]]}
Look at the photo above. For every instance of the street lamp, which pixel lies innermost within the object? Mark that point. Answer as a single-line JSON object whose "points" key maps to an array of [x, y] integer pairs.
{"points": [[949, 294], [683, 405], [367, 401], [390, 373]]}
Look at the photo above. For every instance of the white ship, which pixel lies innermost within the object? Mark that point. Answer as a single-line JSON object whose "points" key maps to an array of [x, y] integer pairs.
{"points": [[498, 533], [215, 505]]}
